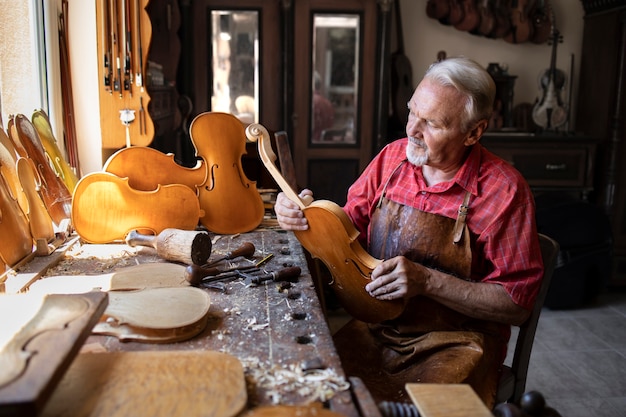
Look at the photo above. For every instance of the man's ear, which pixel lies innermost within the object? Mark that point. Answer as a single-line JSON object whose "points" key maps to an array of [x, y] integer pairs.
{"points": [[475, 134]]}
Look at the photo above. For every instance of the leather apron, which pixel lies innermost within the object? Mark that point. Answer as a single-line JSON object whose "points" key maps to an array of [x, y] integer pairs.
{"points": [[428, 342]]}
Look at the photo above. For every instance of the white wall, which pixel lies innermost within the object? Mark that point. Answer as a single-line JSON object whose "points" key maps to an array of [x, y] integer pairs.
{"points": [[84, 62], [425, 37]]}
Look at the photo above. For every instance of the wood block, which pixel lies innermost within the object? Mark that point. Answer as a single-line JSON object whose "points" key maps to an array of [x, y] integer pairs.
{"points": [[148, 383], [447, 400]]}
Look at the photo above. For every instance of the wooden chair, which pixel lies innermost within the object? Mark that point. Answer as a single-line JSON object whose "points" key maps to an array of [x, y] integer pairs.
{"points": [[513, 379]]}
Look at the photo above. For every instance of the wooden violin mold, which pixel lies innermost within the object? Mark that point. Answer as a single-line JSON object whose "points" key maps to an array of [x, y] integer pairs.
{"points": [[332, 238], [105, 208]]}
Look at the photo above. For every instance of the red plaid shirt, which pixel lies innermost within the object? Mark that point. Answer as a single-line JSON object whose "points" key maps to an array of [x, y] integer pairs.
{"points": [[501, 216]]}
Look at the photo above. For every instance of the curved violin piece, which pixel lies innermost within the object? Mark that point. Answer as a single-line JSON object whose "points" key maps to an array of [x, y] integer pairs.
{"points": [[230, 201], [332, 238], [54, 193], [17, 242], [147, 168], [105, 208], [41, 225], [8, 168], [42, 124]]}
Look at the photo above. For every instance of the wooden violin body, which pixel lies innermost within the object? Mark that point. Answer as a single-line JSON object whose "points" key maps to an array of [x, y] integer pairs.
{"points": [[332, 238], [16, 243], [105, 208], [230, 201], [54, 193], [63, 169], [147, 168], [521, 27], [471, 17]]}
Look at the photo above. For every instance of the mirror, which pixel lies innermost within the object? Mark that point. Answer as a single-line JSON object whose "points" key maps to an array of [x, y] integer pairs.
{"points": [[235, 56], [334, 79]]}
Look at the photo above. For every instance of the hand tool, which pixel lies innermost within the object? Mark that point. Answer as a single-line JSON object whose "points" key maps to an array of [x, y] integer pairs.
{"points": [[246, 249], [186, 246], [195, 274], [286, 274]]}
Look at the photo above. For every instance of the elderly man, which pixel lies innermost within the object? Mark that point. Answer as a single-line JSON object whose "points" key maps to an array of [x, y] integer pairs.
{"points": [[455, 226]]}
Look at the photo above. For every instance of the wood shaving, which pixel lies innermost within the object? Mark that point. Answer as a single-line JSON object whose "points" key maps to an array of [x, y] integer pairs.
{"points": [[253, 325], [312, 385]]}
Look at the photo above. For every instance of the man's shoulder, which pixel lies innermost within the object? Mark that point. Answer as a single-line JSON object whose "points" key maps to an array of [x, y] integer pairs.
{"points": [[493, 165]]}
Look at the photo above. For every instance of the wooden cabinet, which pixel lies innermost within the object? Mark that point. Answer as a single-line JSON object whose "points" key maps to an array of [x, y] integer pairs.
{"points": [[549, 162], [601, 113], [286, 39]]}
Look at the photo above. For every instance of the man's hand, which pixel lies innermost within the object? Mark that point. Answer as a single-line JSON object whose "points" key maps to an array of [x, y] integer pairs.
{"points": [[398, 278], [288, 213]]}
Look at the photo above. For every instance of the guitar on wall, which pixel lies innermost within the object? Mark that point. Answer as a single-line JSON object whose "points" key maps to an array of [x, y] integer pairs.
{"points": [[401, 80], [550, 112]]}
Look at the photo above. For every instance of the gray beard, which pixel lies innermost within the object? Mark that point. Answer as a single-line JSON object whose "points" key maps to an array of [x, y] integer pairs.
{"points": [[413, 157]]}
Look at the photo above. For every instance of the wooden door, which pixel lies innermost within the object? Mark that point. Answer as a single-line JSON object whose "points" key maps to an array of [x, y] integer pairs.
{"points": [[335, 48]]}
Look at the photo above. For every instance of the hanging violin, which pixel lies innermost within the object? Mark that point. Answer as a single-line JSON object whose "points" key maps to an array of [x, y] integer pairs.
{"points": [[332, 238], [550, 113]]}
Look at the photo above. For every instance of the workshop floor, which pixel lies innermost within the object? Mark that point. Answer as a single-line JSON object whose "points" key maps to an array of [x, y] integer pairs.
{"points": [[578, 360]]}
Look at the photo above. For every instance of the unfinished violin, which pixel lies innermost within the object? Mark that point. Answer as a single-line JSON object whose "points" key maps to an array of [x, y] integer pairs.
{"points": [[230, 201], [106, 208], [332, 238], [147, 168]]}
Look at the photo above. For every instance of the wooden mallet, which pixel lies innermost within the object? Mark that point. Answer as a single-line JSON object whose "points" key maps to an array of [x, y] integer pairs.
{"points": [[186, 246]]}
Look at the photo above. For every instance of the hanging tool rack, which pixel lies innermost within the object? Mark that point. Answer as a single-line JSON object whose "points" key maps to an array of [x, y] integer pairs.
{"points": [[124, 34]]}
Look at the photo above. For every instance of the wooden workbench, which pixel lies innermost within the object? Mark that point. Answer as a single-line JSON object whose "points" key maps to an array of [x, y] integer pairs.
{"points": [[275, 329]]}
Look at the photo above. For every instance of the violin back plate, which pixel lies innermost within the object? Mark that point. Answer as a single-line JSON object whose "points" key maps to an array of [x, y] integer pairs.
{"points": [[147, 168], [105, 208], [155, 315]]}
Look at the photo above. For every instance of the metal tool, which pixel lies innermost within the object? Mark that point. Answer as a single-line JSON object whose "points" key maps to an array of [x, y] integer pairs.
{"points": [[286, 274], [246, 250], [195, 274]]}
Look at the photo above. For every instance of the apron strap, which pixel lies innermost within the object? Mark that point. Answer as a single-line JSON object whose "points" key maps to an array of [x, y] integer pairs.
{"points": [[459, 226], [382, 195]]}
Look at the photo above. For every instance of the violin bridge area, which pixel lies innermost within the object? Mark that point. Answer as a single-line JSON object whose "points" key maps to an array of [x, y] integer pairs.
{"points": [[277, 329]]}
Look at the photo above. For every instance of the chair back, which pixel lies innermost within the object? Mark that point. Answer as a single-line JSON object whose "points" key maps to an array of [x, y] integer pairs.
{"points": [[513, 380]]}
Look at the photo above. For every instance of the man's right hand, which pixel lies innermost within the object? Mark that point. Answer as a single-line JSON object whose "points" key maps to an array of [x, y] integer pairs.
{"points": [[289, 214]]}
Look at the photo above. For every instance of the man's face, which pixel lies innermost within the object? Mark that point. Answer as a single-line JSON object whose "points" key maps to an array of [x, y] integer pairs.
{"points": [[434, 126]]}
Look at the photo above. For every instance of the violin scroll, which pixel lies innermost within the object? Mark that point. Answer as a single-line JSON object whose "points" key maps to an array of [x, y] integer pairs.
{"points": [[257, 133]]}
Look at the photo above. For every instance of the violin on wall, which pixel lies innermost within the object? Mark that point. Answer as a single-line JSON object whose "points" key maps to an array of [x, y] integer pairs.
{"points": [[550, 112], [332, 238]]}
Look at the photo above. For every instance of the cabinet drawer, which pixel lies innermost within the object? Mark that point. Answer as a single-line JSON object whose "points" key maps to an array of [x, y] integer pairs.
{"points": [[549, 167]]}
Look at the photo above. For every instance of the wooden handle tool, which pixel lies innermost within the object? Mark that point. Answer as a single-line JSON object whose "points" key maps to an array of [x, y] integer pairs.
{"points": [[186, 246], [246, 249]]}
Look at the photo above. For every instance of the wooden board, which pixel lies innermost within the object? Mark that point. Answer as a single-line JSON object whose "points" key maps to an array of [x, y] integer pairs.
{"points": [[49, 345], [447, 400], [152, 275], [170, 383]]}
